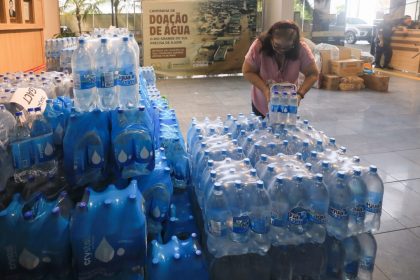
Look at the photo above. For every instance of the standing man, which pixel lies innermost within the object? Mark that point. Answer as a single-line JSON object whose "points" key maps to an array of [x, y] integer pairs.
{"points": [[383, 43]]}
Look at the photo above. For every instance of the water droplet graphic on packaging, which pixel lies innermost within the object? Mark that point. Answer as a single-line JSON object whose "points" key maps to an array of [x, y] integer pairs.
{"points": [[122, 157], [156, 212], [104, 252], [49, 149], [144, 154], [96, 158], [59, 130], [28, 260]]}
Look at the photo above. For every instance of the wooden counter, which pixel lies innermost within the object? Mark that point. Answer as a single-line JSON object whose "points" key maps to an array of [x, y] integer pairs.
{"points": [[406, 50]]}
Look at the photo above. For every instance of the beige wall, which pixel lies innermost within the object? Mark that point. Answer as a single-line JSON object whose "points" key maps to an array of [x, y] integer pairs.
{"points": [[275, 10], [51, 18]]}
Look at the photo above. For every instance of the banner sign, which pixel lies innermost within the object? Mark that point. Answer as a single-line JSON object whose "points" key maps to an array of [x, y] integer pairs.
{"points": [[197, 37]]}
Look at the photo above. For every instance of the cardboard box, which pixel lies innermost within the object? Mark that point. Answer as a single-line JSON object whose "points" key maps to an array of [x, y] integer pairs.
{"points": [[347, 67], [376, 82], [330, 82], [344, 53]]}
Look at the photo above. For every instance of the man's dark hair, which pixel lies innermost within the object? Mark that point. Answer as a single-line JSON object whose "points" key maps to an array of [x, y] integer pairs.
{"points": [[266, 38]]}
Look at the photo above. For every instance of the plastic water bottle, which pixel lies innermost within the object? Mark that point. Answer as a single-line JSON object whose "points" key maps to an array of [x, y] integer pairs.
{"points": [[339, 207], [7, 123], [41, 132], [217, 215], [284, 107], [278, 193], [298, 214], [357, 211], [306, 150], [375, 193], [20, 148], [260, 220], [318, 207], [351, 258], [136, 48], [84, 78], [240, 208], [105, 67], [293, 108], [367, 256], [275, 108], [314, 160], [128, 87]]}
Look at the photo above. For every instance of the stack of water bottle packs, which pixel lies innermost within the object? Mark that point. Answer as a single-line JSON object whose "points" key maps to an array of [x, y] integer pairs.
{"points": [[284, 184], [79, 184]]}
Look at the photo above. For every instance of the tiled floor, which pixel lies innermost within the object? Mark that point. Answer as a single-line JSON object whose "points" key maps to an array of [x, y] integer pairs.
{"points": [[382, 128]]}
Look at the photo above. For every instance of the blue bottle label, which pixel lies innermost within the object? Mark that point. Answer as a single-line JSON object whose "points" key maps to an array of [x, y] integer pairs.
{"points": [[293, 109], [358, 212], [284, 109], [127, 76], [84, 80], [43, 148], [337, 212], [260, 225], [367, 263], [351, 269], [21, 153], [216, 228], [279, 220], [317, 218], [105, 80], [374, 202], [298, 216], [240, 224], [275, 108]]}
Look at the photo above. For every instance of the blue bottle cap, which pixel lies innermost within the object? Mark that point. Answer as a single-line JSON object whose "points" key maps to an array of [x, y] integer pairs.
{"points": [[332, 140], [28, 215], [38, 109], [238, 184], [299, 178], [343, 149], [249, 139], [341, 174], [325, 164], [319, 142], [260, 184], [264, 157], [305, 121], [314, 154], [18, 114], [213, 174], [279, 179], [125, 39], [81, 41], [319, 177], [247, 161], [373, 169], [217, 186], [104, 40], [242, 132], [308, 165], [356, 159], [270, 167], [49, 101], [210, 162], [253, 172], [285, 142], [306, 143], [357, 171]]}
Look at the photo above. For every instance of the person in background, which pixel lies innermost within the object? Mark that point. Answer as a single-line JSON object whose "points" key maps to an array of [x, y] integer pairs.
{"points": [[406, 23], [383, 43], [278, 55]]}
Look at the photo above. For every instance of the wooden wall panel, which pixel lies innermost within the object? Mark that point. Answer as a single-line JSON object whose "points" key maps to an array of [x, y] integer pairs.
{"points": [[21, 50]]}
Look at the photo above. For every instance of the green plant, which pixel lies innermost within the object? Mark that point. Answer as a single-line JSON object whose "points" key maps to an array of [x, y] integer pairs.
{"points": [[81, 8]]}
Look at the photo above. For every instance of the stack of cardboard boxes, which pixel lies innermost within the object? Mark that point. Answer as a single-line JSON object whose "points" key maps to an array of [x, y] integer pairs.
{"points": [[346, 73]]}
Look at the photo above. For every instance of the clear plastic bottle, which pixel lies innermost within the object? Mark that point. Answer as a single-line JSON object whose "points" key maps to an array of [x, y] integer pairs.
{"points": [[367, 256], [357, 211], [318, 207], [375, 193], [278, 193], [260, 220], [240, 208], [128, 87], [105, 67], [217, 215], [85, 98], [339, 207], [293, 108]]}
